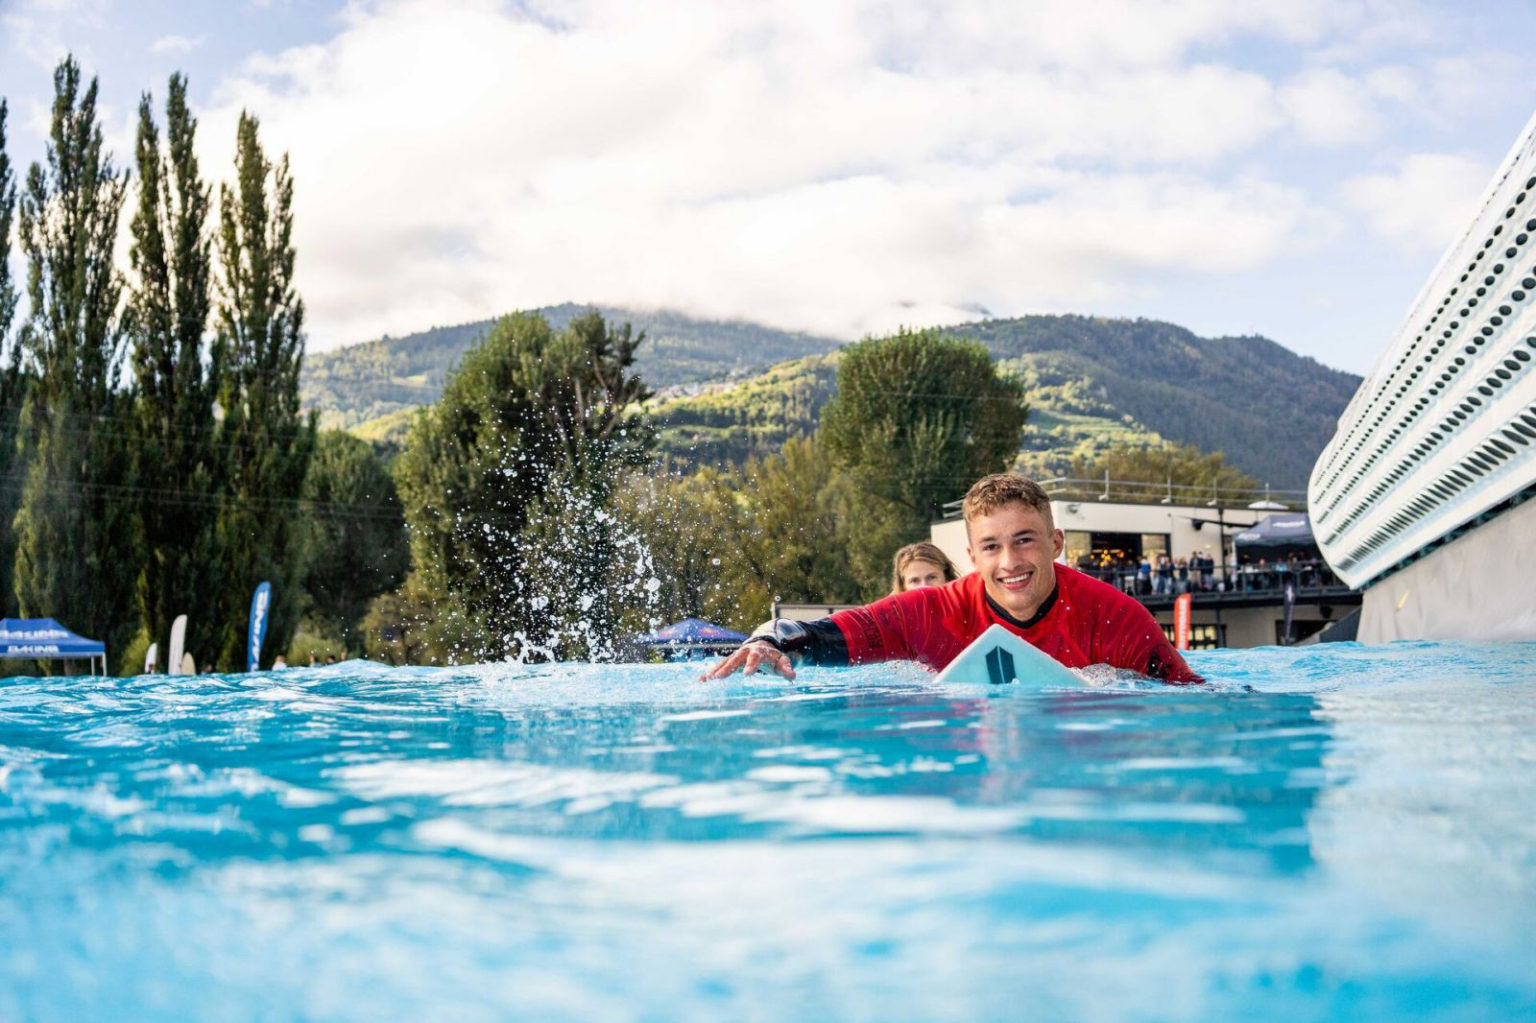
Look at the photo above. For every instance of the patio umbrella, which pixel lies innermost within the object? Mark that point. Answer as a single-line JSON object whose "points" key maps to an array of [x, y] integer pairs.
{"points": [[689, 630]]}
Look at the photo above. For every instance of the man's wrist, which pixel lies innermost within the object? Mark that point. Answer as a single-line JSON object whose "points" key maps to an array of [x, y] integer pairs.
{"points": [[767, 639], [783, 634]]}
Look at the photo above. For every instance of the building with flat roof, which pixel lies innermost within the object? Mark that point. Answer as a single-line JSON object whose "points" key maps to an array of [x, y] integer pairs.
{"points": [[1238, 591]]}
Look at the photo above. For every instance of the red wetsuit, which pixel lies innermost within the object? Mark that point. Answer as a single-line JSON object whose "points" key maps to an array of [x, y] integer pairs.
{"points": [[1083, 622]]}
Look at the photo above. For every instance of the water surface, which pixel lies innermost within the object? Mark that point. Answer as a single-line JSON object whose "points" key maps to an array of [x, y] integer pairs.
{"points": [[1325, 833]]}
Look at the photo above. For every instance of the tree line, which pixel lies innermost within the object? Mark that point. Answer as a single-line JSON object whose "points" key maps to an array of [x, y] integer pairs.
{"points": [[154, 459], [543, 524], [157, 461]]}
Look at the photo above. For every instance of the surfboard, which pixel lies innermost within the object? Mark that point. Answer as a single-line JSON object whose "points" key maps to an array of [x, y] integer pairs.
{"points": [[188, 665], [999, 657], [178, 645]]}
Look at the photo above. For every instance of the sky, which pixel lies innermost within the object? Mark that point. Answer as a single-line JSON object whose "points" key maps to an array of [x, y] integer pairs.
{"points": [[835, 166]]}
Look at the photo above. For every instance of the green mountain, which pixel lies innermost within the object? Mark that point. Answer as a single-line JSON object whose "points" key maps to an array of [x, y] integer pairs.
{"points": [[376, 383], [731, 422], [1268, 409], [1070, 416], [734, 390], [1092, 383]]}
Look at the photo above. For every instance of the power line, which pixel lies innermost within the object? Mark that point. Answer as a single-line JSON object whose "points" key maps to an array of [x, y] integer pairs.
{"points": [[15, 482], [236, 443]]}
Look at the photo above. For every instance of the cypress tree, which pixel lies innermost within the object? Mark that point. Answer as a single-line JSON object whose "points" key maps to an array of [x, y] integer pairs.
{"points": [[75, 532], [168, 309], [12, 383], [266, 440]]}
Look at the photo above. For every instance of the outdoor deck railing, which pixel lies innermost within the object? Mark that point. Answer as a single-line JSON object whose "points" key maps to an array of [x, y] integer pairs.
{"points": [[1070, 488], [1252, 578]]}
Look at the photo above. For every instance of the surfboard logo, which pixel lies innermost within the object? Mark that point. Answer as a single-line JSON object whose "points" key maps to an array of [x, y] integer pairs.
{"points": [[1000, 666], [999, 657]]}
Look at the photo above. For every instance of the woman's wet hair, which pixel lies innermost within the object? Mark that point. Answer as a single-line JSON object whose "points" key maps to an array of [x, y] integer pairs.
{"points": [[922, 551]]}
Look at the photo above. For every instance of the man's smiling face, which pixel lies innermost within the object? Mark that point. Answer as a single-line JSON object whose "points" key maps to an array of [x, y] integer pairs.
{"points": [[1014, 548]]}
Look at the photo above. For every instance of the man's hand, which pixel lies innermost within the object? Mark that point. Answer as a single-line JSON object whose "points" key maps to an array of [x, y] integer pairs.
{"points": [[748, 658]]}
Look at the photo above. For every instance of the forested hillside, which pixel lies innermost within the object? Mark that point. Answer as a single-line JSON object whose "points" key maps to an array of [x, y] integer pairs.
{"points": [[730, 423], [1070, 416], [1269, 409], [1091, 383], [353, 385]]}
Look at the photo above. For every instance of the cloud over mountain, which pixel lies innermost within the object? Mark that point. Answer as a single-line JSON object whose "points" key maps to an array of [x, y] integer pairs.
{"points": [[840, 168]]}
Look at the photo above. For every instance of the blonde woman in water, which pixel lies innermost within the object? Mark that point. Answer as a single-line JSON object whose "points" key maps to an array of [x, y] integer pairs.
{"points": [[921, 564]]}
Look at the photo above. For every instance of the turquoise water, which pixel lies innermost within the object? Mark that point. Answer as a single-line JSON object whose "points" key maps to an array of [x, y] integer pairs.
{"points": [[1355, 839]]}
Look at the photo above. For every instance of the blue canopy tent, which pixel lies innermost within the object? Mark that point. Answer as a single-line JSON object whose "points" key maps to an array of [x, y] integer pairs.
{"points": [[44, 639], [691, 634]]}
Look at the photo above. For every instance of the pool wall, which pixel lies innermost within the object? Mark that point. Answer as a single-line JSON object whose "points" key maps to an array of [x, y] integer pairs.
{"points": [[1481, 586]]}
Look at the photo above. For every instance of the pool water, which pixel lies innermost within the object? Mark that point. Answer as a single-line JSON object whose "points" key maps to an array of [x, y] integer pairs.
{"points": [[1325, 833]]}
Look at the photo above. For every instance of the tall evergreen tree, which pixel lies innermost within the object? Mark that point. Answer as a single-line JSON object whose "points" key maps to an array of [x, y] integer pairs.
{"points": [[176, 448], [12, 383], [75, 556], [267, 440]]}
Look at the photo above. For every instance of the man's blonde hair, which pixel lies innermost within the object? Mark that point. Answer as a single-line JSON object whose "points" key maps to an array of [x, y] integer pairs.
{"points": [[991, 493]]}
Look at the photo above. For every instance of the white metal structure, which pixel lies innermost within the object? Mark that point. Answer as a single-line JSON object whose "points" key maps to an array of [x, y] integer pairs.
{"points": [[1443, 430]]}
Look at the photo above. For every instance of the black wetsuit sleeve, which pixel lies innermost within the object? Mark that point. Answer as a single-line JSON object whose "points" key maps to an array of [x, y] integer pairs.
{"points": [[818, 642]]}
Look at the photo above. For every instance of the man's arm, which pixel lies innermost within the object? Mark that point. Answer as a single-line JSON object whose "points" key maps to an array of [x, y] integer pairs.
{"points": [[897, 627], [1139, 645], [779, 643]]}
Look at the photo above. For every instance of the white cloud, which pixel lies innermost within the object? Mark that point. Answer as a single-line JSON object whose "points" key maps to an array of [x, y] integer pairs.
{"points": [[1395, 84], [1091, 35], [1424, 204], [37, 29], [1329, 108], [176, 44], [840, 167]]}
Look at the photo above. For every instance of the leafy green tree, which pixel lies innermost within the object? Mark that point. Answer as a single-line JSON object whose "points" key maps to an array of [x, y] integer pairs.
{"points": [[678, 521], [179, 468], [406, 626], [266, 439], [917, 418], [507, 484], [723, 545], [13, 383], [76, 556], [793, 539], [1187, 472], [356, 543]]}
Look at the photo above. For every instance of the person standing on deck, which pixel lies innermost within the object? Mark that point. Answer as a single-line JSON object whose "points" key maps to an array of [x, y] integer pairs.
{"points": [[1076, 619]]}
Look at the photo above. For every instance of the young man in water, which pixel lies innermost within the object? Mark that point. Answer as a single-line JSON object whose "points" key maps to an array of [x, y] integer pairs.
{"points": [[1017, 584]]}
